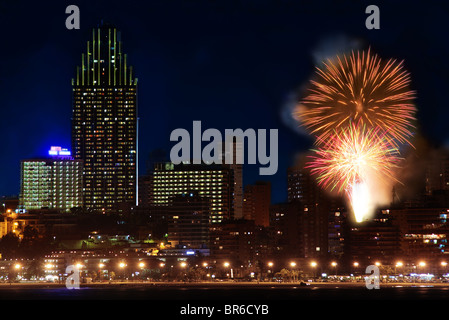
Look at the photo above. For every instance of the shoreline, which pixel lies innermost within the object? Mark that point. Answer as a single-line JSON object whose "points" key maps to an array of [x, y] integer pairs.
{"points": [[224, 284]]}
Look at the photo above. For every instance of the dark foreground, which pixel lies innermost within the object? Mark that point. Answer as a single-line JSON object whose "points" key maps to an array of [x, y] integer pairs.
{"points": [[224, 292], [197, 301]]}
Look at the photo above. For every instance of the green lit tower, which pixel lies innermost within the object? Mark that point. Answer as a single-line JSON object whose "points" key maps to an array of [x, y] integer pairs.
{"points": [[105, 123]]}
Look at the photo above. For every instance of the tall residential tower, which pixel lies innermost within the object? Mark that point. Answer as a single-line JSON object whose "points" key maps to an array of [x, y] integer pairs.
{"points": [[104, 123]]}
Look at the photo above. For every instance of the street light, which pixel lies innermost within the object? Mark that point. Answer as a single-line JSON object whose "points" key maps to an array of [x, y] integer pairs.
{"points": [[334, 265], [422, 264], [227, 265], [293, 272], [444, 265], [17, 267], [270, 266], [122, 266], [313, 264], [398, 264], [356, 265]]}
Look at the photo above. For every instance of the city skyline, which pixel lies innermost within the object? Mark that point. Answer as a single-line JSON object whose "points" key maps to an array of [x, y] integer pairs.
{"points": [[124, 124], [183, 70]]}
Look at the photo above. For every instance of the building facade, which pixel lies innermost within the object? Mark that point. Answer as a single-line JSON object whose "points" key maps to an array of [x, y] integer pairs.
{"points": [[215, 182], [188, 220], [256, 203], [424, 231], [314, 205], [104, 123], [235, 241], [55, 182]]}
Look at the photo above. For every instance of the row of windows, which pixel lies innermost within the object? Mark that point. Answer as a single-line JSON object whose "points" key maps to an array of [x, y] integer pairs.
{"points": [[105, 122], [57, 195], [190, 173], [56, 172], [94, 93], [103, 89]]}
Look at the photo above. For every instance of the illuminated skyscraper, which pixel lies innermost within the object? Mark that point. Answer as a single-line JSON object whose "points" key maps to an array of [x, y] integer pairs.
{"points": [[54, 182], [104, 123]]}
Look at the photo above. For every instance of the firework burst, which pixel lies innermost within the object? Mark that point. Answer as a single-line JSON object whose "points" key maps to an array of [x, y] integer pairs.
{"points": [[352, 155], [360, 109], [359, 88]]}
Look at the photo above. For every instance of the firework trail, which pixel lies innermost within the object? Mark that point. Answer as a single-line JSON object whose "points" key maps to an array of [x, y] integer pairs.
{"points": [[360, 109]]}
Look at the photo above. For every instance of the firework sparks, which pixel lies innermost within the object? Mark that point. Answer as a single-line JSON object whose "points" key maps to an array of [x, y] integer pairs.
{"points": [[354, 160], [351, 154], [360, 109], [359, 88]]}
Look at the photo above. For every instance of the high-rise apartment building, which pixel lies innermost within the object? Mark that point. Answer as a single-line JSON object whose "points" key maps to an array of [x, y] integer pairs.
{"points": [[213, 181], [54, 182], [235, 147], [256, 203], [188, 220], [316, 206], [234, 241], [104, 123]]}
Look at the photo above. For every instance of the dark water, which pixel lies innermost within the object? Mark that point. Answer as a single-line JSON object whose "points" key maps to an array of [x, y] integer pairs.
{"points": [[169, 300], [182, 292]]}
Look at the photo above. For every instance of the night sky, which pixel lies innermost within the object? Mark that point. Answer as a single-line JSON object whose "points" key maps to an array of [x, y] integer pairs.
{"points": [[231, 64]]}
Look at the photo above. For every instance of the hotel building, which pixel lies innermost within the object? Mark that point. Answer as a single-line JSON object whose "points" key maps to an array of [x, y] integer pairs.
{"points": [[54, 182]]}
